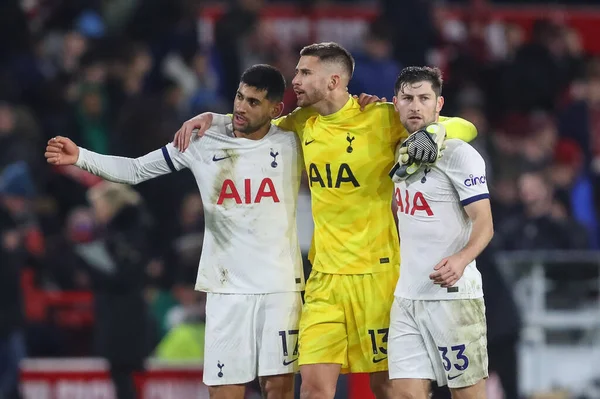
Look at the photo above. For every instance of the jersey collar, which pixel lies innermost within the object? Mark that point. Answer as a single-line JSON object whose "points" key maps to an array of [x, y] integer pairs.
{"points": [[340, 113]]}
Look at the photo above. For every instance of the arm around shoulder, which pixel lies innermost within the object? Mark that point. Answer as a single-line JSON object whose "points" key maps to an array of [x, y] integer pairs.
{"points": [[459, 128], [295, 120], [221, 119]]}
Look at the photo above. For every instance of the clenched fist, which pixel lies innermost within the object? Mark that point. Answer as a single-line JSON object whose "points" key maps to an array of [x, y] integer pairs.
{"points": [[61, 151]]}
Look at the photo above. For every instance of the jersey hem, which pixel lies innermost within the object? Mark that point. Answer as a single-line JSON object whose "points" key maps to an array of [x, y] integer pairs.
{"points": [[434, 298], [220, 382], [229, 292], [351, 273]]}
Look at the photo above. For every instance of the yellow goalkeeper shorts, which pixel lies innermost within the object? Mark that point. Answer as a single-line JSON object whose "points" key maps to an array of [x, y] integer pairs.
{"points": [[345, 320]]}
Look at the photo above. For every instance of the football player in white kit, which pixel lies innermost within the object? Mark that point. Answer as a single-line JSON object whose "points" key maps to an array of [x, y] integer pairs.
{"points": [[437, 324], [248, 174]]}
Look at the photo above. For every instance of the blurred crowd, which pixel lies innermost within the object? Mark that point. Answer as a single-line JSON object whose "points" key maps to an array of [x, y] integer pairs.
{"points": [[119, 77]]}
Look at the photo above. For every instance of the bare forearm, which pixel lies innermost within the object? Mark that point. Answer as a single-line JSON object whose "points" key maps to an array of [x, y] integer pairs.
{"points": [[481, 235]]}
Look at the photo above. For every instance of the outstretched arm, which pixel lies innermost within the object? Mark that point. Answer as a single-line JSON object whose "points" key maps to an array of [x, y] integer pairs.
{"points": [[126, 170], [63, 151]]}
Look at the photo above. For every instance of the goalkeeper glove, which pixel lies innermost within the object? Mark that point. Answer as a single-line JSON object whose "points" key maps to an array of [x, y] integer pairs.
{"points": [[422, 147]]}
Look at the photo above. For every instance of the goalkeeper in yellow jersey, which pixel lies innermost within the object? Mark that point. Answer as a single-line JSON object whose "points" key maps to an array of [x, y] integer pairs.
{"points": [[355, 253]]}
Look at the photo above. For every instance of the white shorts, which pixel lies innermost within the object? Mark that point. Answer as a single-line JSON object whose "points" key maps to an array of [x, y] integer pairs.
{"points": [[445, 341], [249, 336]]}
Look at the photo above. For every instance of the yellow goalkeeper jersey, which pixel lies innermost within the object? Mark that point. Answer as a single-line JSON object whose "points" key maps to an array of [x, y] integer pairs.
{"points": [[347, 156]]}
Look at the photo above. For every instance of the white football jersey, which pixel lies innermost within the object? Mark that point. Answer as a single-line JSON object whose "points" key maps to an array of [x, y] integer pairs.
{"points": [[249, 190], [433, 225]]}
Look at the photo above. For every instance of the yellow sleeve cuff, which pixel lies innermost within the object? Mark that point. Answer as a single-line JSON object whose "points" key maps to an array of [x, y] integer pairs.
{"points": [[459, 128]]}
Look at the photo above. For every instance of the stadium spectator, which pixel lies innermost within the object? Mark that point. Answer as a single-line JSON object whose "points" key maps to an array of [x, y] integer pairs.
{"points": [[540, 225], [118, 273], [120, 76], [15, 188], [376, 70]]}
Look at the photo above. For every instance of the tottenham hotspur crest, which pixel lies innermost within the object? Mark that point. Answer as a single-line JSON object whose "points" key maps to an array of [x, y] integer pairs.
{"points": [[350, 139], [424, 178], [274, 155]]}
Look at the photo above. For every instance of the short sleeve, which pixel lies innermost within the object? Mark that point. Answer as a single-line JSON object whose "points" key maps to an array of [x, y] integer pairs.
{"points": [[295, 120], [466, 170]]}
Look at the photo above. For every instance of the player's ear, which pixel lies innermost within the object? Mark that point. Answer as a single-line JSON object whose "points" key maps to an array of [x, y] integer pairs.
{"points": [[334, 82], [440, 104], [277, 110], [395, 101]]}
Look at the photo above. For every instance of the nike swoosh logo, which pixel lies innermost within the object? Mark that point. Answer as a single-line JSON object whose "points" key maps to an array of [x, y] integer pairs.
{"points": [[455, 376], [215, 159], [285, 363], [306, 142], [379, 360]]}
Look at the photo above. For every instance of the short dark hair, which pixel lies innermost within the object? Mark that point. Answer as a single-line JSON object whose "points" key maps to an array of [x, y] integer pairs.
{"points": [[414, 74], [267, 78], [331, 52]]}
